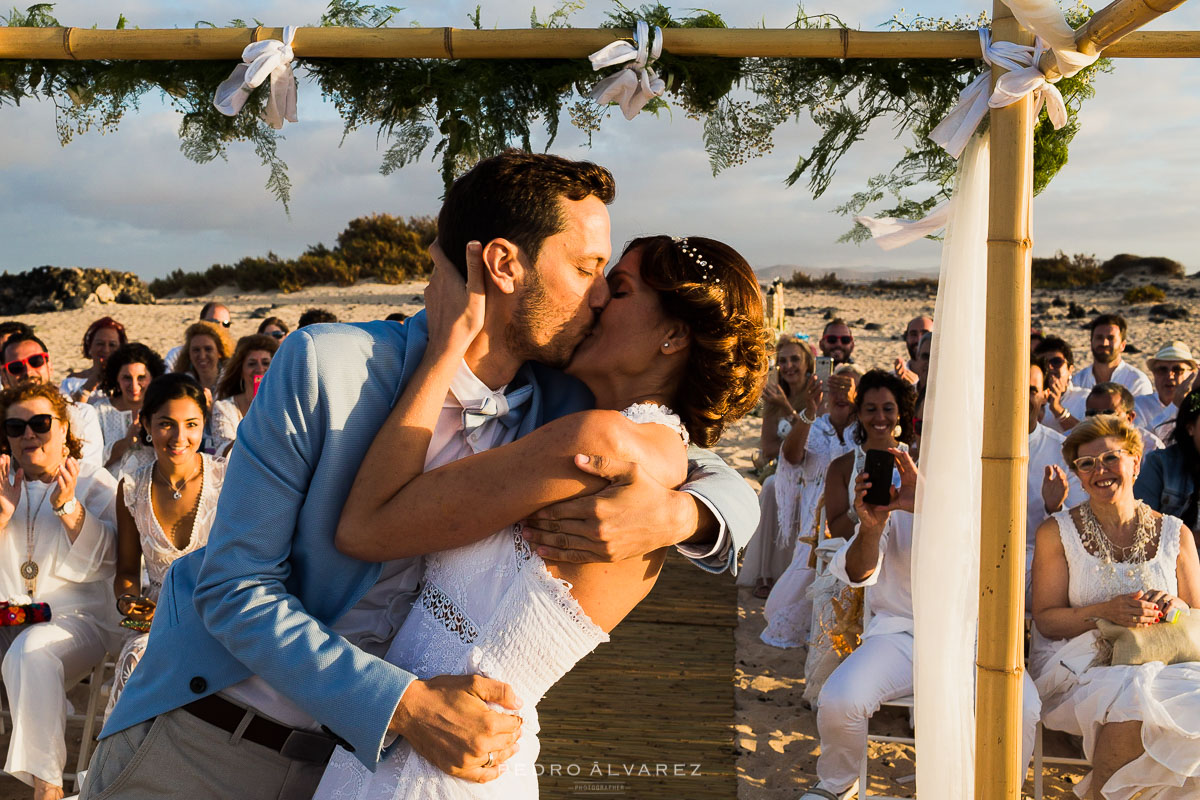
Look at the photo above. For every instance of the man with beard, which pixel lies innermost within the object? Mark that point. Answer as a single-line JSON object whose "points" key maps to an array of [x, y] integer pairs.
{"points": [[837, 342], [283, 634], [1108, 333], [916, 330]]}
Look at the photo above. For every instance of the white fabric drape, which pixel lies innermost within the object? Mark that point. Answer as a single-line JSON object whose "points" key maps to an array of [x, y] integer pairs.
{"points": [[945, 566], [270, 58], [637, 84]]}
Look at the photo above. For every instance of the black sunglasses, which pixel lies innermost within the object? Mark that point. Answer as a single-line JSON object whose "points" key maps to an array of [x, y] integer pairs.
{"points": [[225, 324], [18, 367], [839, 339], [38, 423], [277, 334]]}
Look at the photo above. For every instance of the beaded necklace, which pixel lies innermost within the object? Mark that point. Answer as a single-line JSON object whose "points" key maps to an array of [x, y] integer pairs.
{"points": [[1135, 557]]}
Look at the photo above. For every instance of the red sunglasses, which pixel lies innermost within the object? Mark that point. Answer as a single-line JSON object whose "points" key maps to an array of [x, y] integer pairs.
{"points": [[20, 366]]}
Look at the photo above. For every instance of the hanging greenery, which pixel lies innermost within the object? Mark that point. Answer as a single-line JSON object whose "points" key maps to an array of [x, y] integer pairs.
{"points": [[470, 109]]}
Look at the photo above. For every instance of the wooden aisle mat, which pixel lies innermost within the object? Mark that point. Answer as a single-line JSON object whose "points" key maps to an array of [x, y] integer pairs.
{"points": [[650, 713]]}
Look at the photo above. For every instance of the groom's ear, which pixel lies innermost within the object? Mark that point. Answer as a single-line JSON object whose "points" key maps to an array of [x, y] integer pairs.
{"points": [[502, 264]]}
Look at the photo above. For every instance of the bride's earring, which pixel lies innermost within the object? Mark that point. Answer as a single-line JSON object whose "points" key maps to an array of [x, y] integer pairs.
{"points": [[666, 345]]}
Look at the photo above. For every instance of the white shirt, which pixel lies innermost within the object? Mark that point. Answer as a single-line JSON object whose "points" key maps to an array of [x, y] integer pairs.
{"points": [[1130, 377], [1164, 424], [171, 356], [890, 592], [84, 423], [373, 621], [1149, 408], [1045, 449]]}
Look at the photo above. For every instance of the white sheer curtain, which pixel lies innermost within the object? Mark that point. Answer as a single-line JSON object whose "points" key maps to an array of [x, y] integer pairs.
{"points": [[945, 568]]}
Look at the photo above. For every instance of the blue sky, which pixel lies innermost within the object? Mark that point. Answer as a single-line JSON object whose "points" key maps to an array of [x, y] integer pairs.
{"points": [[131, 200]]}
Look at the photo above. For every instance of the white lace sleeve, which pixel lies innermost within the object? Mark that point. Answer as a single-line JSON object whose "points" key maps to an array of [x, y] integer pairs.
{"points": [[641, 413]]}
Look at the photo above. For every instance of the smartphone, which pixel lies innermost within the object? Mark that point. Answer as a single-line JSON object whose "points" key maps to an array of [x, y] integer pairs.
{"points": [[879, 467], [824, 368], [254, 390]]}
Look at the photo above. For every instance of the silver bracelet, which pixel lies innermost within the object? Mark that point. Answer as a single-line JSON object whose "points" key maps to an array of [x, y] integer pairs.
{"points": [[806, 419]]}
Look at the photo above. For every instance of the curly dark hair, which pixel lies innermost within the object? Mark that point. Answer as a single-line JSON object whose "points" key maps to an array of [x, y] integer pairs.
{"points": [[132, 353], [1189, 412], [902, 390], [29, 390], [721, 303]]}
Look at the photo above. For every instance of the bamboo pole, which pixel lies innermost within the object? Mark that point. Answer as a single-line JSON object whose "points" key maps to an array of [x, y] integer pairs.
{"points": [[1001, 663], [227, 43], [1109, 25]]}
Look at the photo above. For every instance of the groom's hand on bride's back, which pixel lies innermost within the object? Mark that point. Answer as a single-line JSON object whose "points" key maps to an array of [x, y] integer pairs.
{"points": [[447, 721], [635, 515]]}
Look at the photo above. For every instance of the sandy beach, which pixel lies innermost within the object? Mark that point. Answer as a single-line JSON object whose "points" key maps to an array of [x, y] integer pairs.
{"points": [[774, 732]]}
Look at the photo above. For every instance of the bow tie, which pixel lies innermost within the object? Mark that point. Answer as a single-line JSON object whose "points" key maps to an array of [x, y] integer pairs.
{"points": [[506, 408]]}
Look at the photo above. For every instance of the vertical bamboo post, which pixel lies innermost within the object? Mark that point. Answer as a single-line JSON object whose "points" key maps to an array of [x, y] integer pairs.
{"points": [[998, 774]]}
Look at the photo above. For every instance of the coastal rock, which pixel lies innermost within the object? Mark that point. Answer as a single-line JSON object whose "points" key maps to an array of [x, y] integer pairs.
{"points": [[1169, 311], [58, 288], [262, 312]]}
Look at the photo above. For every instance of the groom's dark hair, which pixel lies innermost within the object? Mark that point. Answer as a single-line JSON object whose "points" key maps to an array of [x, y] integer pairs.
{"points": [[515, 196]]}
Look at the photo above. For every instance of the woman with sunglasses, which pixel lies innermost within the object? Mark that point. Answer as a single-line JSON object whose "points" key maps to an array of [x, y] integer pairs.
{"points": [[126, 376], [1114, 558], [57, 513], [206, 347], [274, 327], [239, 385], [164, 509], [101, 340]]}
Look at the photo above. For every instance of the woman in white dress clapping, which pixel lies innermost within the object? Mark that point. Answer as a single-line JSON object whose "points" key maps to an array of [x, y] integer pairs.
{"points": [[164, 509], [57, 548], [1113, 558]]}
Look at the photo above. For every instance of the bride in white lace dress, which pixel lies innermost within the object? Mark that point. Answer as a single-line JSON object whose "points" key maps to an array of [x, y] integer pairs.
{"points": [[683, 330], [1114, 558]]}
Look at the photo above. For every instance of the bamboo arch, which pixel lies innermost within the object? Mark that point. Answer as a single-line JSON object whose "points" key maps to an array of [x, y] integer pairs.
{"points": [[998, 774]]}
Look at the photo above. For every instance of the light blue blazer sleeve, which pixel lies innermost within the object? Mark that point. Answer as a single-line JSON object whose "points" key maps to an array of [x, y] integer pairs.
{"points": [[247, 594], [731, 500]]}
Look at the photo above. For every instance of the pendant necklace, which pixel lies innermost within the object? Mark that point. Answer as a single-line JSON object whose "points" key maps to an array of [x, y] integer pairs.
{"points": [[29, 570], [177, 491]]}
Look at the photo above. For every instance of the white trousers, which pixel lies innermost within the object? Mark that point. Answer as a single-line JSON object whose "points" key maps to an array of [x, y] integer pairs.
{"points": [[881, 669], [40, 662]]}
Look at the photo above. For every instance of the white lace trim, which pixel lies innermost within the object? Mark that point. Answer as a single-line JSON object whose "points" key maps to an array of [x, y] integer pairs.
{"points": [[641, 413], [560, 591], [442, 608]]}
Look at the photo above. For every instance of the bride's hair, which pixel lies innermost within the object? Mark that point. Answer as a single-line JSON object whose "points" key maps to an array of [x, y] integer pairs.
{"points": [[709, 286]]}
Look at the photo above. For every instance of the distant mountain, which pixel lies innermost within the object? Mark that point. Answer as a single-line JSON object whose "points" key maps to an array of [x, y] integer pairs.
{"points": [[864, 274]]}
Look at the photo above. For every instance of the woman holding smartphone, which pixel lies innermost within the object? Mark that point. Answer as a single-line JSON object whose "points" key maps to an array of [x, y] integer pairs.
{"points": [[239, 385], [165, 509]]}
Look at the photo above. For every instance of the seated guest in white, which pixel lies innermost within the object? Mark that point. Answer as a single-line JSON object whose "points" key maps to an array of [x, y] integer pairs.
{"points": [[1169, 477], [206, 348], [164, 509], [213, 312], [101, 340], [58, 516], [127, 374], [239, 385], [770, 549], [26, 358], [1174, 371], [1114, 558], [1108, 339], [804, 459], [1066, 403], [879, 557], [1113, 398], [1048, 483]]}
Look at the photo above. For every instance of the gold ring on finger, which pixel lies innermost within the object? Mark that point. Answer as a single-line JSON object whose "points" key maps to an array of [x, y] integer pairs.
{"points": [[491, 760]]}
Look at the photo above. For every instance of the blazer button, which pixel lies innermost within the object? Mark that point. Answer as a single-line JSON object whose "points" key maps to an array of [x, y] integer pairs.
{"points": [[198, 685]]}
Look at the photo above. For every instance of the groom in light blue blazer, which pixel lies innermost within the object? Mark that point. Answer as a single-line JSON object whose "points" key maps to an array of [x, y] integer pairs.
{"points": [[265, 648]]}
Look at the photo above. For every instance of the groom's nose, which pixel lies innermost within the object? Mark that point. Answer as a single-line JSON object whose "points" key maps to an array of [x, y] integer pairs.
{"points": [[598, 295]]}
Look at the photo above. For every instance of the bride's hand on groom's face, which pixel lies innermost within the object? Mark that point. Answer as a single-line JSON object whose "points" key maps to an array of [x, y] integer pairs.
{"points": [[635, 515], [454, 309]]}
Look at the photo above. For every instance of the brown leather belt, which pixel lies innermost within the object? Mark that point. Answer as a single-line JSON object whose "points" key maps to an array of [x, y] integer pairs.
{"points": [[298, 745]]}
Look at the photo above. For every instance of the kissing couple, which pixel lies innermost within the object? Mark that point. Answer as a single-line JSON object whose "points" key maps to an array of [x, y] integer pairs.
{"points": [[425, 525]]}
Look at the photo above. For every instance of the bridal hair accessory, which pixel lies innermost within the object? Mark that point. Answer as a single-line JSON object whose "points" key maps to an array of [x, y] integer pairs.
{"points": [[695, 255], [270, 58], [637, 84]]}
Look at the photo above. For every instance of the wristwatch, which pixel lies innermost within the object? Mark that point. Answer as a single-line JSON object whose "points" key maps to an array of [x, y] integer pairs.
{"points": [[67, 508]]}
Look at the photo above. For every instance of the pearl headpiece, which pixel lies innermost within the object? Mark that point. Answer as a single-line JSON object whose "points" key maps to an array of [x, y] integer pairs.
{"points": [[695, 255]]}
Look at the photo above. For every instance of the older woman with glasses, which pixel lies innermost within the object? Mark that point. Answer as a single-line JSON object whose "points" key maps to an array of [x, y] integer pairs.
{"points": [[1114, 558], [58, 515]]}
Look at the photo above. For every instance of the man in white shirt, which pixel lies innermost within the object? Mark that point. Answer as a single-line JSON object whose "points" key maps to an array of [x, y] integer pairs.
{"points": [[27, 358], [1173, 369], [1108, 332], [1066, 403], [1113, 398], [1049, 484], [917, 328], [879, 558], [213, 312]]}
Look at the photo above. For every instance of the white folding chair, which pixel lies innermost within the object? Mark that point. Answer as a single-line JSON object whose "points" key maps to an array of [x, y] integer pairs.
{"points": [[1040, 760]]}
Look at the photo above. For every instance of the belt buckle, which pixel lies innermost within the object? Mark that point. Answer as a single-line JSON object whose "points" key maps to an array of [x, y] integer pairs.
{"points": [[307, 746]]}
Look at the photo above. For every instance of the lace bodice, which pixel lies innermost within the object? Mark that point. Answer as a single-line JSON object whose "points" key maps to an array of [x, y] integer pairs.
{"points": [[157, 549], [1093, 581], [490, 608]]}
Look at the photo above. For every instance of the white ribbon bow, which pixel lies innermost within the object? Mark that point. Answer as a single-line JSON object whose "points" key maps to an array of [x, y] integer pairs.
{"points": [[269, 58], [636, 84]]}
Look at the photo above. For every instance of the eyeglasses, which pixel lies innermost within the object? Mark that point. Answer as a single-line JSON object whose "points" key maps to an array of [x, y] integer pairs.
{"points": [[1100, 412], [225, 324], [839, 339], [1055, 363], [38, 423], [276, 334], [20, 366], [1109, 459]]}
